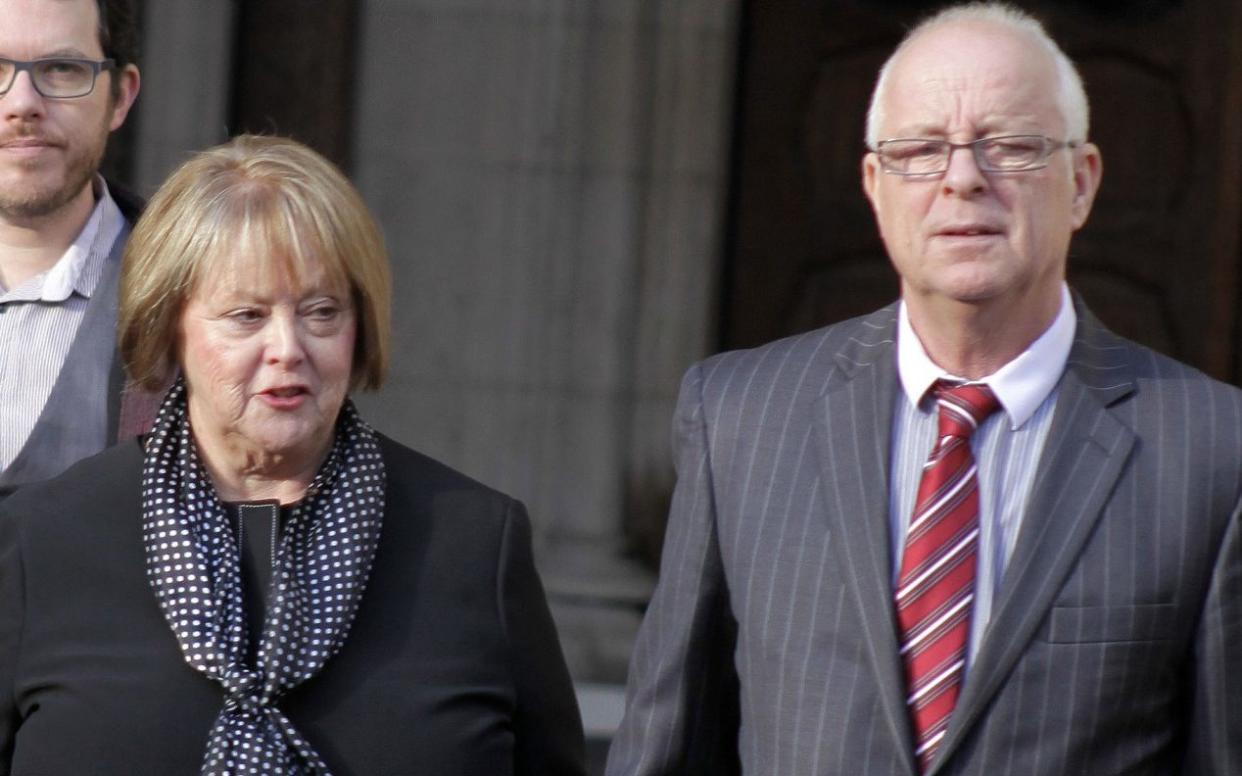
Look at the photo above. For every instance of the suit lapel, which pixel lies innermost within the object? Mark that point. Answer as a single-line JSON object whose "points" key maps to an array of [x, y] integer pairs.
{"points": [[853, 426], [1085, 452]]}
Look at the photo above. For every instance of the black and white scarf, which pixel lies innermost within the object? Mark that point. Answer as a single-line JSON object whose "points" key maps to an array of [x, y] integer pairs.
{"points": [[322, 565]]}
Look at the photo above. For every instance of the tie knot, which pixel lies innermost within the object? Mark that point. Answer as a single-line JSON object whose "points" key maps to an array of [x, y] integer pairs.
{"points": [[963, 406]]}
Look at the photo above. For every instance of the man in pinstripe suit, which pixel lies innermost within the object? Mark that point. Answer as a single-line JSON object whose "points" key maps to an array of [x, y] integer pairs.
{"points": [[1104, 628]]}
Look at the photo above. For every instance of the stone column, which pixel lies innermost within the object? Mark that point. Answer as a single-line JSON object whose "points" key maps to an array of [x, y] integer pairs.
{"points": [[550, 177], [183, 103]]}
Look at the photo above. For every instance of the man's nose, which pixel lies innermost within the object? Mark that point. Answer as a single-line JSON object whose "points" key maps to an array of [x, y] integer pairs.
{"points": [[22, 100], [963, 176]]}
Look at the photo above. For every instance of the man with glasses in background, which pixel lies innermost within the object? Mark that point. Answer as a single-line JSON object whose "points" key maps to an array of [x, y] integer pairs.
{"points": [[974, 532], [67, 79]]}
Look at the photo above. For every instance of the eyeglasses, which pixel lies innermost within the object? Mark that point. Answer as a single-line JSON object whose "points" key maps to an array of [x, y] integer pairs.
{"points": [[59, 78], [1004, 153]]}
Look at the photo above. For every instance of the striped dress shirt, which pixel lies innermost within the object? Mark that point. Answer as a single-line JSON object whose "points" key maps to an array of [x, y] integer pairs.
{"points": [[1007, 446], [39, 320]]}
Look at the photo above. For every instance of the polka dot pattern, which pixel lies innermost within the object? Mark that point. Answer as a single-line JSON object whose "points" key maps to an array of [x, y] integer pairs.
{"points": [[322, 566]]}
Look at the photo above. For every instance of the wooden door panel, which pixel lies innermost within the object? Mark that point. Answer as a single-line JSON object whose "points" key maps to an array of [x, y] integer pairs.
{"points": [[1158, 257]]}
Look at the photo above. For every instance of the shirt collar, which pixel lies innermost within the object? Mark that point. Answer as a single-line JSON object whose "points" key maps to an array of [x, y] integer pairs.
{"points": [[81, 266], [1020, 385]]}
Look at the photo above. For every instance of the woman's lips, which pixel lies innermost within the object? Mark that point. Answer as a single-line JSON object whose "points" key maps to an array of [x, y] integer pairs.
{"points": [[285, 397]]}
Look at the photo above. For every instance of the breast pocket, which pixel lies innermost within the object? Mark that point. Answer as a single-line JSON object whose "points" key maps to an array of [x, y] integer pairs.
{"points": [[1103, 624]]}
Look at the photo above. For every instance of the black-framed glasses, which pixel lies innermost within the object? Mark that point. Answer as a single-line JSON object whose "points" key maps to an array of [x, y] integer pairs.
{"points": [[57, 77], [1003, 153]]}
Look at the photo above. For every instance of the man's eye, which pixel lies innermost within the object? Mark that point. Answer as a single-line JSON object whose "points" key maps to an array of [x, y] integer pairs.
{"points": [[63, 68], [915, 150], [1015, 147], [925, 149]]}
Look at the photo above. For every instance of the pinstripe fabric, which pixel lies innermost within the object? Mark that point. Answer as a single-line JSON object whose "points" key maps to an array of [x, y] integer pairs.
{"points": [[39, 321], [1114, 643]]}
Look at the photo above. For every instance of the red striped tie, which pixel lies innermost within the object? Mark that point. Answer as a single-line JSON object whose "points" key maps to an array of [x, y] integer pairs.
{"points": [[936, 585]]}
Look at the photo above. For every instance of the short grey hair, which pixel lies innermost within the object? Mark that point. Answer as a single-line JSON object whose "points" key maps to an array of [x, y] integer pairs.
{"points": [[1071, 97]]}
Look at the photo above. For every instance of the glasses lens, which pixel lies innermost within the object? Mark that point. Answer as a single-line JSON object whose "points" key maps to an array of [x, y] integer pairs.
{"points": [[63, 77], [1016, 152], [914, 157]]}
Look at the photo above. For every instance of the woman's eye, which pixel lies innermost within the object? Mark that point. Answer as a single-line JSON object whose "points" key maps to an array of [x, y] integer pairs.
{"points": [[324, 313], [244, 315]]}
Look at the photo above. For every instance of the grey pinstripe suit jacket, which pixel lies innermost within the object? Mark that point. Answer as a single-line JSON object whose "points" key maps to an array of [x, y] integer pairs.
{"points": [[1115, 646]]}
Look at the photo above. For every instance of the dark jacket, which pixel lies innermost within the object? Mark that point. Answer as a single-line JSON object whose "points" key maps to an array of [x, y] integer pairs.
{"points": [[451, 667]]}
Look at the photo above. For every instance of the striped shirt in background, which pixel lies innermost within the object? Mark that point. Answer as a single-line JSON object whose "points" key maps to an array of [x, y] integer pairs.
{"points": [[38, 321], [1007, 446]]}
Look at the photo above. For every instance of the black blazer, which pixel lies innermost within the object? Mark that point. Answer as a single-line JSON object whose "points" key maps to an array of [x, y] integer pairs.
{"points": [[452, 665]]}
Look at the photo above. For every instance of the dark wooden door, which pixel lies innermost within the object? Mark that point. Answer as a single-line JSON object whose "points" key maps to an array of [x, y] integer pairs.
{"points": [[1158, 260], [294, 72]]}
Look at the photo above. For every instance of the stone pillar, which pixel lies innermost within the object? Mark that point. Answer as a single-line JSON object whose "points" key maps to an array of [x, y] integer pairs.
{"points": [[550, 177], [183, 104]]}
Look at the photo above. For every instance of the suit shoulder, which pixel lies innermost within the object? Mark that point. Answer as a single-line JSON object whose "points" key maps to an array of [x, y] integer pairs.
{"points": [[1165, 367], [790, 360], [1183, 389], [1152, 391], [1156, 372]]}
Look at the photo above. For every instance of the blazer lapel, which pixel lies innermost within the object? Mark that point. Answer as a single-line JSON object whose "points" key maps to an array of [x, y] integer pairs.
{"points": [[1085, 452], [853, 425]]}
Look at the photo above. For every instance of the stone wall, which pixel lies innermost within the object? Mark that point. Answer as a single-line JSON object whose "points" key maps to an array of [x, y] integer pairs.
{"points": [[550, 177]]}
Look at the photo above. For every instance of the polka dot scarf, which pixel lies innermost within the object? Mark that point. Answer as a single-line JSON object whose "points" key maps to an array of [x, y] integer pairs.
{"points": [[322, 565]]}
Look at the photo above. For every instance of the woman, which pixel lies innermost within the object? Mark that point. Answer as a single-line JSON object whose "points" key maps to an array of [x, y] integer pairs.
{"points": [[265, 584]]}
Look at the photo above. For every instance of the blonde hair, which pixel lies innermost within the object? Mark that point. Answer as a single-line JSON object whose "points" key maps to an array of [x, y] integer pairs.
{"points": [[274, 196], [1071, 96]]}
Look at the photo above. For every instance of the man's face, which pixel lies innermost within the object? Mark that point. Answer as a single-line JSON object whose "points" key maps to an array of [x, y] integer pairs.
{"points": [[51, 148], [969, 236]]}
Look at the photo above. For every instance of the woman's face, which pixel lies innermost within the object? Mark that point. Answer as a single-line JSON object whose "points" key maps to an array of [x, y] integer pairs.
{"points": [[266, 359]]}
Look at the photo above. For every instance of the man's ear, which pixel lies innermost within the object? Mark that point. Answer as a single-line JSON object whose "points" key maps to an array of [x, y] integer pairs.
{"points": [[128, 83], [1088, 167], [871, 173]]}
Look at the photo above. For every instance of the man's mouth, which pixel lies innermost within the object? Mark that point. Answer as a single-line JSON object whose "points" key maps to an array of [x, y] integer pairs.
{"points": [[26, 141], [967, 231]]}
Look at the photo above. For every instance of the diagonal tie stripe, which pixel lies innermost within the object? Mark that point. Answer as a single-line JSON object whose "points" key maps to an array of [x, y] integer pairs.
{"points": [[936, 583]]}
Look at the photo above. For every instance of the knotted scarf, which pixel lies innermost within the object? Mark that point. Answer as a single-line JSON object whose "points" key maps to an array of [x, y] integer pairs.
{"points": [[322, 565]]}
